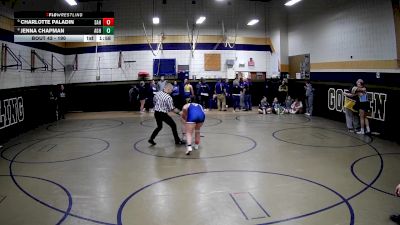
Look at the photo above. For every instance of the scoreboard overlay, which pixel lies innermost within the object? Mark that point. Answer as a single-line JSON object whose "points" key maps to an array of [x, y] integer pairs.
{"points": [[32, 26]]}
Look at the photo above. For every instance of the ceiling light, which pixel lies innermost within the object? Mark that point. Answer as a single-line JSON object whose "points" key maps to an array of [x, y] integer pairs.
{"points": [[252, 22], [200, 20], [156, 20], [292, 2], [71, 2]]}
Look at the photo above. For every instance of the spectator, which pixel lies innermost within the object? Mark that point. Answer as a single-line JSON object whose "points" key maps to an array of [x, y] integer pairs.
{"points": [[176, 97], [236, 80], [228, 96], [350, 110], [197, 91], [152, 91], [242, 93], [276, 107], [188, 92], [53, 111], [204, 93], [220, 91], [264, 107], [247, 94], [161, 83], [288, 104], [133, 96], [142, 95], [236, 92], [309, 98], [363, 107], [153, 87], [62, 102], [296, 107], [283, 90]]}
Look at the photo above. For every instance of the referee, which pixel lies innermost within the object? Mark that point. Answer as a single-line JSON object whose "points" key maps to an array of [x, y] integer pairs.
{"points": [[163, 104]]}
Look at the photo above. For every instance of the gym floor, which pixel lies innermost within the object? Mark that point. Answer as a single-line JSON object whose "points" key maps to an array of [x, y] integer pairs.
{"points": [[97, 168]]}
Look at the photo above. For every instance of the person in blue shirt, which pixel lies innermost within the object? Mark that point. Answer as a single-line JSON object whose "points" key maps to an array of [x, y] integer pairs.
{"points": [[193, 116], [220, 91], [176, 97]]}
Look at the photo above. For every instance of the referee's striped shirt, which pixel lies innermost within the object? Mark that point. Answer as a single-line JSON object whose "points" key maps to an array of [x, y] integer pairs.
{"points": [[163, 102]]}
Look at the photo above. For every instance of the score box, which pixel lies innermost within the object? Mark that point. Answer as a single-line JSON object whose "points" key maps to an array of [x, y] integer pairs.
{"points": [[108, 30], [108, 21]]}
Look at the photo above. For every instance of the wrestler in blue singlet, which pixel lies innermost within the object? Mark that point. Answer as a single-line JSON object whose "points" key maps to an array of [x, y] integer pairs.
{"points": [[195, 113]]}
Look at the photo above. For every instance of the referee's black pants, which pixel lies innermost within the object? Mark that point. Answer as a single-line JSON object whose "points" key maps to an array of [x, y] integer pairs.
{"points": [[164, 117]]}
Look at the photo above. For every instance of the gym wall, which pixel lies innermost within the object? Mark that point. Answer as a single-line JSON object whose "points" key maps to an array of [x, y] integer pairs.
{"points": [[344, 35], [14, 77], [109, 57], [23, 109], [175, 16]]}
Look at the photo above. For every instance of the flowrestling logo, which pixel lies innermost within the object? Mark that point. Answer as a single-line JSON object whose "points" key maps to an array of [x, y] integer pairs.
{"points": [[377, 102], [11, 111]]}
